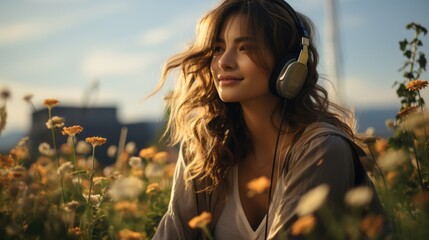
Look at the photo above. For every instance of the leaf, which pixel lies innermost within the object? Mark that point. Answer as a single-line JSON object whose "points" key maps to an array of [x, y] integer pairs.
{"points": [[407, 54], [403, 44], [78, 172], [422, 61]]}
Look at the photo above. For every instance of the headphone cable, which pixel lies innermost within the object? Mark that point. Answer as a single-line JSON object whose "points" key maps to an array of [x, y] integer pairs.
{"points": [[273, 167]]}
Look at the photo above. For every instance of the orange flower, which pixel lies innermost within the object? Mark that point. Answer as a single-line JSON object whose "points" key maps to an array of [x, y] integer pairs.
{"points": [[372, 224], [6, 161], [406, 111], [51, 102], [72, 131], [160, 157], [303, 225], [380, 145], [75, 232], [147, 152], [201, 220], [125, 207], [126, 234], [417, 85], [258, 186], [96, 141], [153, 187]]}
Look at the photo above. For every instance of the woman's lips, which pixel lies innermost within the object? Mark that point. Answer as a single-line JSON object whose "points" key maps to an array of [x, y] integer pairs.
{"points": [[228, 80]]}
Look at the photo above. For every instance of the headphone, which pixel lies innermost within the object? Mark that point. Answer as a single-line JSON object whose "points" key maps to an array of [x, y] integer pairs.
{"points": [[290, 73]]}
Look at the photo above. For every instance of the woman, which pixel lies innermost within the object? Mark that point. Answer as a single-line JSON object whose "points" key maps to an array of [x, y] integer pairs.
{"points": [[247, 104]]}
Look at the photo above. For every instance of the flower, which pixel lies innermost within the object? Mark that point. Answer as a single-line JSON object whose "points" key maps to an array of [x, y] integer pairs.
{"points": [[126, 188], [125, 207], [71, 206], [358, 197], [258, 186], [417, 85], [404, 112], [201, 220], [153, 187], [6, 161], [76, 232], [72, 131], [51, 102], [111, 151], [83, 148], [94, 199], [312, 200], [130, 147], [371, 225], [96, 141], [55, 121], [153, 170], [126, 234], [303, 225], [135, 162], [160, 157], [45, 149], [65, 167], [147, 152], [391, 159]]}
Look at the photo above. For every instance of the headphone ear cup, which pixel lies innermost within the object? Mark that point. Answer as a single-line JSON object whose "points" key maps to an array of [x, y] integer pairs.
{"points": [[288, 77], [291, 79]]}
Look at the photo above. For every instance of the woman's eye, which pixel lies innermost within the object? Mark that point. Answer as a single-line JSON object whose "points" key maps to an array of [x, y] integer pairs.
{"points": [[246, 48], [217, 49]]}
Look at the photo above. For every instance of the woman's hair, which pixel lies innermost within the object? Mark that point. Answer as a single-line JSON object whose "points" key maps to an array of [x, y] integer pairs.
{"points": [[213, 133]]}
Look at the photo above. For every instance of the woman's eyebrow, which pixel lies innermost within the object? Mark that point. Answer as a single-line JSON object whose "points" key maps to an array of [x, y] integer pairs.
{"points": [[237, 40]]}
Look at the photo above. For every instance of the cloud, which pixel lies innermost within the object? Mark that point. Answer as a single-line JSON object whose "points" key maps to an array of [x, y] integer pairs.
{"points": [[33, 29], [183, 23], [106, 63], [364, 91]]}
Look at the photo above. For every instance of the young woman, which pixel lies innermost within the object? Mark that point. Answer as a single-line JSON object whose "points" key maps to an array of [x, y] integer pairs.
{"points": [[247, 104]]}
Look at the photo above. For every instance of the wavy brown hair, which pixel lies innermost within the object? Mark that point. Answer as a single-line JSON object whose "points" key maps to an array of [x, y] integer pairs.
{"points": [[213, 133]]}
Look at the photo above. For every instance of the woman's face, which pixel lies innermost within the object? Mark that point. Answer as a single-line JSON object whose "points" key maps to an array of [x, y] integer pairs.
{"points": [[236, 76]]}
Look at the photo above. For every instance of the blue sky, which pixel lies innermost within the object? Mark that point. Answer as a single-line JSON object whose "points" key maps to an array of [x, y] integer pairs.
{"points": [[58, 48]]}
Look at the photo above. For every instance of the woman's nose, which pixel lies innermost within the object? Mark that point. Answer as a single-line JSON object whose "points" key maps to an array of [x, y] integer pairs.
{"points": [[227, 60]]}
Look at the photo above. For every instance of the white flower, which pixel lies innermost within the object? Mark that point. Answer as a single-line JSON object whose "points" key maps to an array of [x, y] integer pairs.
{"points": [[45, 149], [391, 159], [312, 200], [65, 167], [126, 188], [135, 162], [153, 170], [83, 148], [111, 151], [94, 199], [130, 147], [358, 197]]}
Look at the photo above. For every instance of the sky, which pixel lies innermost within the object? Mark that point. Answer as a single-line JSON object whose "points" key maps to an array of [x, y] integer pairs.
{"points": [[63, 48]]}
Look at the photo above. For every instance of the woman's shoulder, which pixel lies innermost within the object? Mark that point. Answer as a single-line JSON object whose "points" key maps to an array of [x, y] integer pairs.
{"points": [[328, 134]]}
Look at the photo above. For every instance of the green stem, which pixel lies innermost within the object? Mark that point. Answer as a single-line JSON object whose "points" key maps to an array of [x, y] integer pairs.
{"points": [[419, 174], [92, 173], [207, 233], [424, 128], [75, 164]]}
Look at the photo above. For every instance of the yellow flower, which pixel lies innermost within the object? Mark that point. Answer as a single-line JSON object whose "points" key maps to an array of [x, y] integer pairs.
{"points": [[96, 141], [153, 187], [147, 152], [417, 85], [303, 225], [72, 131], [51, 102], [201, 220], [258, 186], [126, 234]]}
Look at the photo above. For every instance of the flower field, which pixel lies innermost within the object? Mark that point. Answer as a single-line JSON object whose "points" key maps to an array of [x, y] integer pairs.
{"points": [[64, 192]]}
